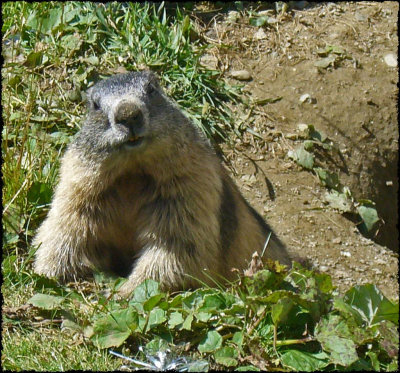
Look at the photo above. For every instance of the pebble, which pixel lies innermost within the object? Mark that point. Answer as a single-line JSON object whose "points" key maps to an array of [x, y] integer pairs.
{"points": [[302, 127], [391, 60], [241, 75], [249, 178], [260, 34], [307, 97]]}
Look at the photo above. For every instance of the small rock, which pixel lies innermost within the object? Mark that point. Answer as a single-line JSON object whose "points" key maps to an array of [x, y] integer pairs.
{"points": [[307, 98], [345, 253], [391, 60], [241, 75], [292, 136], [337, 240], [302, 127], [323, 268], [260, 34], [250, 179]]}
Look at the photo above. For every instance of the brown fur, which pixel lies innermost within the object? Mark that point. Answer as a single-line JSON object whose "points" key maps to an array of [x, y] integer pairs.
{"points": [[166, 211]]}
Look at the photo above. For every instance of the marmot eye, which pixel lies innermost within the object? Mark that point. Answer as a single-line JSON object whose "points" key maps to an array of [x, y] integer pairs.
{"points": [[96, 106]]}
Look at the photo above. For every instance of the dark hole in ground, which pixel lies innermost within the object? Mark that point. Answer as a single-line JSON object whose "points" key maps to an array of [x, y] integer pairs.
{"points": [[386, 186]]}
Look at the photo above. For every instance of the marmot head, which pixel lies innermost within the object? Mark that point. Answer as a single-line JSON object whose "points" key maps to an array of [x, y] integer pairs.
{"points": [[129, 114]]}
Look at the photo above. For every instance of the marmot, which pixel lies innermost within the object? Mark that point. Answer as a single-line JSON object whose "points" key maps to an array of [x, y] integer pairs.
{"points": [[142, 194]]}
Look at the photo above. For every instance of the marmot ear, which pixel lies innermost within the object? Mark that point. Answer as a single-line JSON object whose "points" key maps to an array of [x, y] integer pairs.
{"points": [[86, 97], [154, 80], [152, 77]]}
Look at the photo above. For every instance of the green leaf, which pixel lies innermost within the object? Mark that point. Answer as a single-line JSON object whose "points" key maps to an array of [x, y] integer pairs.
{"points": [[238, 339], [144, 291], [226, 356], [34, 59], [211, 342], [156, 345], [302, 157], [150, 303], [369, 216], [281, 310], [263, 281], [327, 178], [198, 366], [308, 145], [187, 324], [52, 20], [45, 301], [212, 302], [193, 300], [113, 329], [203, 316], [175, 302], [340, 305], [259, 21], [343, 351], [305, 361], [389, 340], [374, 360], [325, 62], [339, 201], [156, 317], [185, 24], [175, 318], [335, 337], [247, 368], [40, 193], [372, 306]]}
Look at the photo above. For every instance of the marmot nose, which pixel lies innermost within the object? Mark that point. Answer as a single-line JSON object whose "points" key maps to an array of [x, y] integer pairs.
{"points": [[129, 115]]}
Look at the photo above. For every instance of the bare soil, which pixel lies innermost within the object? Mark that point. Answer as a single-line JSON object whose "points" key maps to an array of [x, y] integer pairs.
{"points": [[352, 102]]}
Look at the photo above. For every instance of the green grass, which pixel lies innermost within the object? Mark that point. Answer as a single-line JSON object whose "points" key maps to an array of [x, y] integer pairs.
{"points": [[44, 350], [53, 53]]}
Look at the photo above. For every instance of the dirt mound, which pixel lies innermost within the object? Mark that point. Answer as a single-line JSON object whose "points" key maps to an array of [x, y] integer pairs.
{"points": [[351, 97]]}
